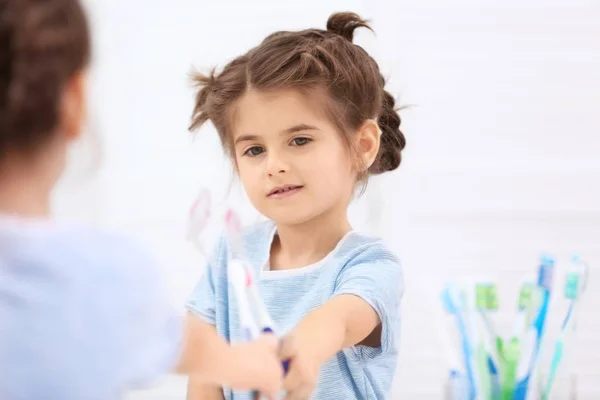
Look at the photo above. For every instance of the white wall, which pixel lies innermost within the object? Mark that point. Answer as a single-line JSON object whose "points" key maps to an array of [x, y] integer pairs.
{"points": [[501, 160]]}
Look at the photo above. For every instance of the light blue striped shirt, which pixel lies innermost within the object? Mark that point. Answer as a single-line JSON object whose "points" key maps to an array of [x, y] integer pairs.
{"points": [[83, 314], [359, 265]]}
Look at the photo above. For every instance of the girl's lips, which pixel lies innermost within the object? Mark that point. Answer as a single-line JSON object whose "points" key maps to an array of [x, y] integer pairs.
{"points": [[284, 192]]}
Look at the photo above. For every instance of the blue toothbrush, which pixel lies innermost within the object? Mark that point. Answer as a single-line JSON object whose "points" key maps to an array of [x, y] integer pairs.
{"points": [[545, 276], [453, 303], [458, 386], [576, 282]]}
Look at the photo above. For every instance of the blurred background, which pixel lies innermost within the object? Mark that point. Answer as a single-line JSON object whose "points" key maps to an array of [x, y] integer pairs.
{"points": [[502, 161]]}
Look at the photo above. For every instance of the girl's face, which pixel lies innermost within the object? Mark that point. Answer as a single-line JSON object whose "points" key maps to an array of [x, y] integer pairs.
{"points": [[291, 159]]}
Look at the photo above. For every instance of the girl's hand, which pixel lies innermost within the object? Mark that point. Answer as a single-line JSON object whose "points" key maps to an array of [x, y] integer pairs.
{"points": [[303, 373], [255, 366]]}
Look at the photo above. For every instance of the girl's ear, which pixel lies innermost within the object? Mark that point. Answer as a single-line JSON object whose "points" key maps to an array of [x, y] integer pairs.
{"points": [[368, 142], [72, 106]]}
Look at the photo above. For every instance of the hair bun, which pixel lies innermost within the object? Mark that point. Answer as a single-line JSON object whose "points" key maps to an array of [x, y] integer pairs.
{"points": [[392, 138], [344, 24]]}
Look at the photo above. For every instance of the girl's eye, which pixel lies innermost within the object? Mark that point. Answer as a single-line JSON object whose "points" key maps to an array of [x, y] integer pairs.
{"points": [[301, 141], [254, 151]]}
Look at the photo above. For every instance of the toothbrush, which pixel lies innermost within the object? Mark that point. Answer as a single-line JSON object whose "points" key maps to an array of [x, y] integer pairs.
{"points": [[480, 359], [487, 302], [489, 357], [449, 342], [481, 348], [251, 292], [452, 301], [526, 371], [458, 386], [241, 278], [575, 285], [512, 349], [255, 308], [253, 315], [496, 358], [491, 305], [240, 281]]}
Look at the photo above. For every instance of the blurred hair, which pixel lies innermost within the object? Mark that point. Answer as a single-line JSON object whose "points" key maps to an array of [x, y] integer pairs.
{"points": [[43, 43]]}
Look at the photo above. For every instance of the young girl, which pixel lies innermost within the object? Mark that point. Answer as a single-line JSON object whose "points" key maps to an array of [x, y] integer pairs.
{"points": [[83, 313], [305, 119]]}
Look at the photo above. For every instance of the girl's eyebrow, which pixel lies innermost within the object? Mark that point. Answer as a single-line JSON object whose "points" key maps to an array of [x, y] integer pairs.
{"points": [[293, 129], [298, 128]]}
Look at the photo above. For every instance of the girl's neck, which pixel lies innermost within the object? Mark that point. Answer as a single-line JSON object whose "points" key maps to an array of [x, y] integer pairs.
{"points": [[299, 245]]}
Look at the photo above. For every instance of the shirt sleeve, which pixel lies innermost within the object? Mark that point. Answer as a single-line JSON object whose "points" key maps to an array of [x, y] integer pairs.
{"points": [[380, 283], [202, 300]]}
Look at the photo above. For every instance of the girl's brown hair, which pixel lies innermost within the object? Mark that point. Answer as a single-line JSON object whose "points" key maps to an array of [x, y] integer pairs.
{"points": [[43, 43], [309, 59]]}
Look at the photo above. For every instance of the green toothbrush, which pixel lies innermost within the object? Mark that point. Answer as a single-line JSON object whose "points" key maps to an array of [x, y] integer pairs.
{"points": [[481, 350], [492, 305], [512, 350]]}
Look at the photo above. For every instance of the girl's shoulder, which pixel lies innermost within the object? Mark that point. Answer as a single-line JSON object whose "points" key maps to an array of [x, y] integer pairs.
{"points": [[358, 247], [366, 260]]}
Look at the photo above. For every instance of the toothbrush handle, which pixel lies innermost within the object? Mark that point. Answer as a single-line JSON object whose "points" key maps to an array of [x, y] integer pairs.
{"points": [[512, 354], [285, 363], [556, 358]]}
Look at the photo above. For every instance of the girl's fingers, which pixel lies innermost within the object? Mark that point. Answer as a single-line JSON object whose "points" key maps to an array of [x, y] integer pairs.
{"points": [[300, 394], [259, 396]]}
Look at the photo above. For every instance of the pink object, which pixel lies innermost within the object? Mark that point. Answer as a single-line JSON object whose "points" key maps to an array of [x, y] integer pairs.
{"points": [[198, 219], [228, 216], [233, 222], [200, 211]]}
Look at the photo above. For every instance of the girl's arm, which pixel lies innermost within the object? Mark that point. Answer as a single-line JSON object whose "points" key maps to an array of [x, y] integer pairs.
{"points": [[210, 361], [198, 389], [203, 351], [344, 321], [364, 310]]}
